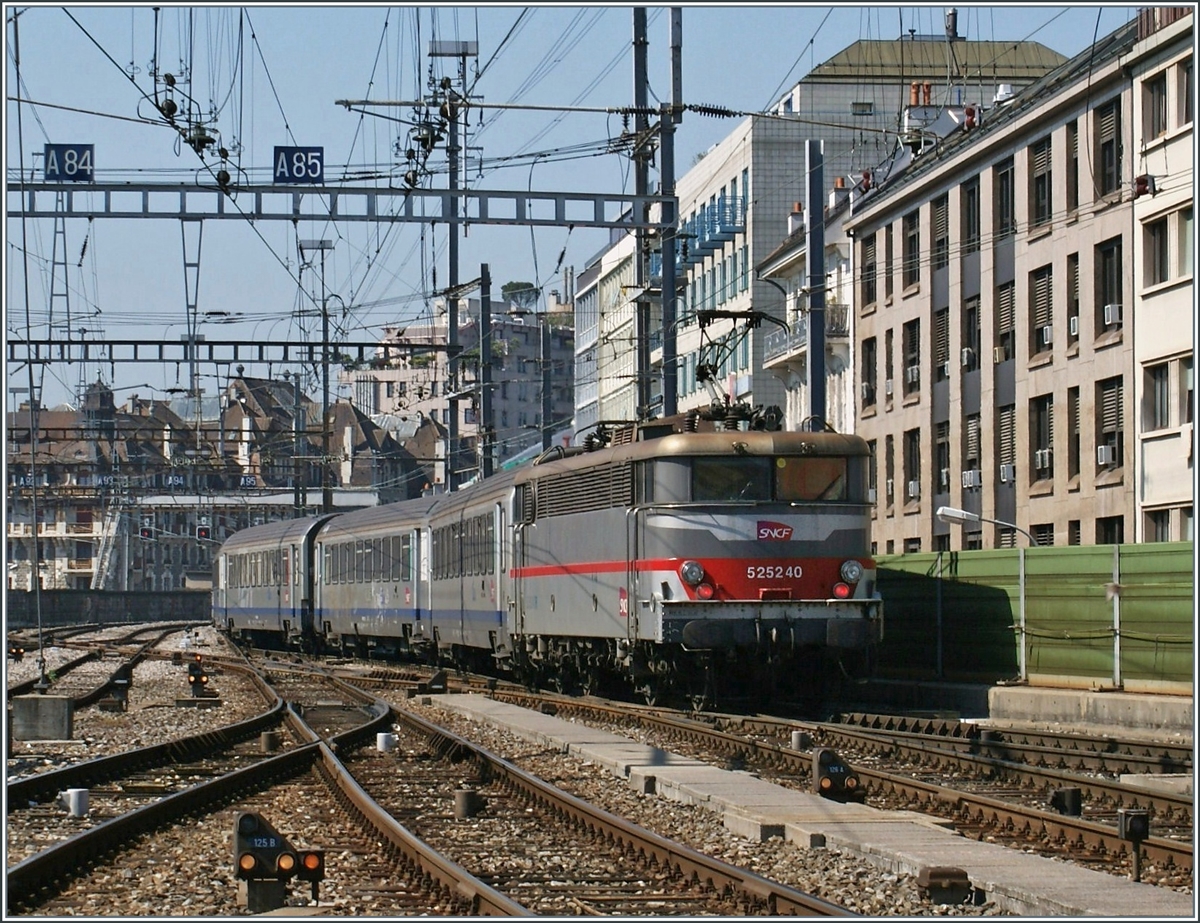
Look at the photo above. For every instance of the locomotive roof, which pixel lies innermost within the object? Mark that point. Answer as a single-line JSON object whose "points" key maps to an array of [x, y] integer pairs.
{"points": [[752, 442]]}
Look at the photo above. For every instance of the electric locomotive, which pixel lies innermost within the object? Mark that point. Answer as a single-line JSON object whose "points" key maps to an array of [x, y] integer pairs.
{"points": [[698, 565]]}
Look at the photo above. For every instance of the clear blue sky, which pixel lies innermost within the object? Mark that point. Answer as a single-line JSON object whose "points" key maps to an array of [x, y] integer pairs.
{"points": [[295, 61]]}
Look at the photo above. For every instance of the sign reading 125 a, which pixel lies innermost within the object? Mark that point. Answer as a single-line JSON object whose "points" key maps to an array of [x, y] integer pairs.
{"points": [[70, 163], [299, 165]]}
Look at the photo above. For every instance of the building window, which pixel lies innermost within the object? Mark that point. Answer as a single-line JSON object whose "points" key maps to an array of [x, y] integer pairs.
{"points": [[1185, 242], [868, 270], [941, 454], [1005, 200], [1185, 390], [1110, 425], [941, 345], [969, 359], [1185, 92], [862, 108], [1040, 183], [1073, 432], [1074, 532], [869, 359], [1041, 310], [1108, 144], [1072, 297], [889, 469], [1072, 165], [971, 444], [1108, 285], [872, 470], [1043, 533], [912, 356], [887, 261], [1006, 322], [1110, 530], [1158, 526], [912, 464], [1041, 436], [1157, 257], [887, 363], [1006, 443], [912, 248], [1154, 106], [941, 232], [970, 215]]}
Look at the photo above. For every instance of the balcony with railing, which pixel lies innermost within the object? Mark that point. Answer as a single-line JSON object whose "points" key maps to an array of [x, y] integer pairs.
{"points": [[780, 343]]}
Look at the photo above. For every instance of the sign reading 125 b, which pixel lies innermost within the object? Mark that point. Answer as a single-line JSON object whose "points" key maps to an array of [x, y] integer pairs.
{"points": [[70, 163], [299, 165]]}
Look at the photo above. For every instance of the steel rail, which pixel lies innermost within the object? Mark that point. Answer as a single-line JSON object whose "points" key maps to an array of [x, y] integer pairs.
{"points": [[45, 786], [776, 898], [1161, 850], [44, 873]]}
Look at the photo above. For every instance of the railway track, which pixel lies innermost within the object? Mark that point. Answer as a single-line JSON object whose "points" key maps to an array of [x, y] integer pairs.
{"points": [[982, 795], [377, 864]]}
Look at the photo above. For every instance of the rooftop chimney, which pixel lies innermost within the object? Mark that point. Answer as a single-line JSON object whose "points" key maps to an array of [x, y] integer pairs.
{"points": [[796, 218], [952, 24]]}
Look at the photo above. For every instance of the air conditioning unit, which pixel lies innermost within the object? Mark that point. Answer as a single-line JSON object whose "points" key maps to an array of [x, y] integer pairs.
{"points": [[870, 494], [1073, 325], [889, 486], [999, 355], [914, 489], [967, 356], [1047, 335], [946, 369], [1041, 459], [1112, 314], [1008, 474], [887, 387], [972, 478], [912, 374], [868, 391], [1106, 455], [944, 479]]}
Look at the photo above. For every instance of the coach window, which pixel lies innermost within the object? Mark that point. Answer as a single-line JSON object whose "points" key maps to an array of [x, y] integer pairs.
{"points": [[810, 478], [731, 479]]}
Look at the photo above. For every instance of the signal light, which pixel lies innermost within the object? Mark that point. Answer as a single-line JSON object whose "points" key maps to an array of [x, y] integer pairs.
{"points": [[203, 532], [833, 778], [841, 591], [145, 532], [260, 851], [705, 591]]}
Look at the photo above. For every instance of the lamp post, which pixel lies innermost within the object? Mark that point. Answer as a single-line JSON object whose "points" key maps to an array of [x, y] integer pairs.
{"points": [[954, 516]]}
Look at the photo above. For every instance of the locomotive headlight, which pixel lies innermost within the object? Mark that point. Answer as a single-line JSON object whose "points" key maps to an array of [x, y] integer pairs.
{"points": [[852, 571], [691, 572]]}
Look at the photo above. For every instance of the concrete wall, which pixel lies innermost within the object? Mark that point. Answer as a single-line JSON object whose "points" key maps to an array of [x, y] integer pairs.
{"points": [[74, 607]]}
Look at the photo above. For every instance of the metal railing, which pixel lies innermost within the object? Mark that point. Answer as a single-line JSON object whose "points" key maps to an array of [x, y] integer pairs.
{"points": [[779, 343]]}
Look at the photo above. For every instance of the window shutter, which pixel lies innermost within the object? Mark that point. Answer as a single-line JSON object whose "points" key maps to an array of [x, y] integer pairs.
{"points": [[973, 438], [1042, 280], [941, 336], [1110, 406], [1007, 431], [1005, 308]]}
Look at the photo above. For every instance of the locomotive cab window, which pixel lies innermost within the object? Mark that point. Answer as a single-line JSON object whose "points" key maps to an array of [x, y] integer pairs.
{"points": [[758, 478], [731, 479], [810, 478]]}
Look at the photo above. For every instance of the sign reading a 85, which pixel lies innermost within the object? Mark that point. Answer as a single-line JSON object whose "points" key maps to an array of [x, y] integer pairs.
{"points": [[299, 165]]}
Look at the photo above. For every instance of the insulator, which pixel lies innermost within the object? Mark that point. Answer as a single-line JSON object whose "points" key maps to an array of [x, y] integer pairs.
{"points": [[168, 108], [222, 178]]}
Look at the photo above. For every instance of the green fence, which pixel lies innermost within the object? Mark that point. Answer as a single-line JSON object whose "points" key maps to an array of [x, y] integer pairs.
{"points": [[1097, 616]]}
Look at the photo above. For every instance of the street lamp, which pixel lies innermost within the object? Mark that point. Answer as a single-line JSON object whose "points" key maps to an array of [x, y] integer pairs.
{"points": [[954, 516]]}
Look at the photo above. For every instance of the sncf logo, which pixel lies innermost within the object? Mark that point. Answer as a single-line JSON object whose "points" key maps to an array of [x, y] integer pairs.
{"points": [[773, 531]]}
